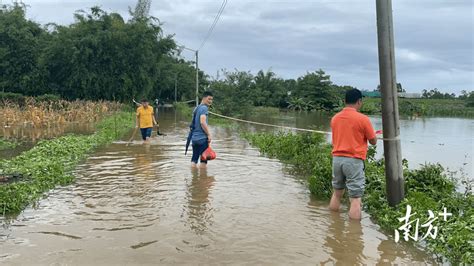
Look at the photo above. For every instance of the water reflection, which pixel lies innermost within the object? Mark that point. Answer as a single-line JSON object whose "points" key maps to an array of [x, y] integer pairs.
{"points": [[199, 207], [34, 134], [344, 240], [144, 160]]}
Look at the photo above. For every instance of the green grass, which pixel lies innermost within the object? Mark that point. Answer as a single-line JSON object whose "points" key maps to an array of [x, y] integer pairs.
{"points": [[51, 162], [429, 188]]}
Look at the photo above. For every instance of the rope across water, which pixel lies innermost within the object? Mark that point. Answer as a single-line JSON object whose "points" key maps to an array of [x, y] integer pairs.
{"points": [[289, 128]]}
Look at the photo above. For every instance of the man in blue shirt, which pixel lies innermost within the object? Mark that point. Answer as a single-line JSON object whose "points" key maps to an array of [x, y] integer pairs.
{"points": [[201, 136]]}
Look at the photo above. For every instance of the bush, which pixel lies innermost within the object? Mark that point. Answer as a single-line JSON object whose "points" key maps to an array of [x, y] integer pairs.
{"points": [[10, 97]]}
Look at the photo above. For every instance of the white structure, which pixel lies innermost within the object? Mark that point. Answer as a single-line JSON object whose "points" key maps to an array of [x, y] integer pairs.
{"points": [[409, 95]]}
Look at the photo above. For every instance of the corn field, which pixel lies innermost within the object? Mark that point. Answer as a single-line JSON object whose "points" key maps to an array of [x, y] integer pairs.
{"points": [[48, 114]]}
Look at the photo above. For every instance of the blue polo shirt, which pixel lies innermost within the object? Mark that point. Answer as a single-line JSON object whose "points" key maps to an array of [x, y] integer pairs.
{"points": [[198, 132]]}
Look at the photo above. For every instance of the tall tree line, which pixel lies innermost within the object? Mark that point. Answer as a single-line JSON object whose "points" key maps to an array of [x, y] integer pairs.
{"points": [[238, 91], [99, 56]]}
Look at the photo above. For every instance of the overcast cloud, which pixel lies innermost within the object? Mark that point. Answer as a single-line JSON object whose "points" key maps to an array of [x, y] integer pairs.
{"points": [[433, 38]]}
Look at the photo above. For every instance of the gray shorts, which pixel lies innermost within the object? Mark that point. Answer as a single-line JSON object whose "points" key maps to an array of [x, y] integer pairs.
{"points": [[348, 173]]}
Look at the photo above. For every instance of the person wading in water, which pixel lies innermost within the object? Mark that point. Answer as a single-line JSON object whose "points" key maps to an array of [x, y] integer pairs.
{"points": [[350, 132], [145, 120], [200, 134]]}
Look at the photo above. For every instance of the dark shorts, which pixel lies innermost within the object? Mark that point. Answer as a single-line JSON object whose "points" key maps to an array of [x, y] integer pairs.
{"points": [[146, 132], [199, 146]]}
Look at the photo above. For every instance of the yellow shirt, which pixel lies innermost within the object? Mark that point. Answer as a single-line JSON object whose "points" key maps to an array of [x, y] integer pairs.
{"points": [[145, 116]]}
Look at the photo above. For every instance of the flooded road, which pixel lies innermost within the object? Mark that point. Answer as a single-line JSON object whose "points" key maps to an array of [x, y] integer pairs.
{"points": [[143, 204]]}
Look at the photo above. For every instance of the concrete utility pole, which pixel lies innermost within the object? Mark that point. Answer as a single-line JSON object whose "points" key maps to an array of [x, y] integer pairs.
{"points": [[175, 87], [197, 73], [390, 117], [197, 80]]}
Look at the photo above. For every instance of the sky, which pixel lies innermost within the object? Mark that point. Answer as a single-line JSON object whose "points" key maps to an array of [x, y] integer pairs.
{"points": [[433, 38]]}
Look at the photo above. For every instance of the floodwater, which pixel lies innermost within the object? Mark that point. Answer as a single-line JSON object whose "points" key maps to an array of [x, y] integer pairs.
{"points": [[27, 136], [448, 141], [143, 204]]}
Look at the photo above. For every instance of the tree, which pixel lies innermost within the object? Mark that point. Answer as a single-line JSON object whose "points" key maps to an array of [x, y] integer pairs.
{"points": [[317, 88], [20, 47], [141, 11], [268, 90], [103, 57], [233, 94], [436, 94], [470, 99]]}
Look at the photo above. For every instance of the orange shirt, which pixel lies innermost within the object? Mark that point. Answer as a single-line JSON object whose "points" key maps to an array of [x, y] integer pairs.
{"points": [[350, 132], [145, 116]]}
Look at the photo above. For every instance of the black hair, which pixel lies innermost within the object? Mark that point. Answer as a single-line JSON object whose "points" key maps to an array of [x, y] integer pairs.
{"points": [[206, 94], [144, 100], [353, 95]]}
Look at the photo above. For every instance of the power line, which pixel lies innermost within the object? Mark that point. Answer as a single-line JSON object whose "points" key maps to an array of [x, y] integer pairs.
{"points": [[216, 19]]}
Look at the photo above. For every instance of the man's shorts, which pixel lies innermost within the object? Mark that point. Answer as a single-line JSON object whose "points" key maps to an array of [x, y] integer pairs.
{"points": [[199, 146], [146, 132], [348, 173]]}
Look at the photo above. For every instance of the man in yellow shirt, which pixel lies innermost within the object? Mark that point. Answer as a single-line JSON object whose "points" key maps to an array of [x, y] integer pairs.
{"points": [[145, 120]]}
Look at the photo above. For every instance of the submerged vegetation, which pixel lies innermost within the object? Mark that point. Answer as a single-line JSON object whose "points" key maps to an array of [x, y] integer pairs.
{"points": [[6, 144], [429, 188], [51, 112], [50, 163]]}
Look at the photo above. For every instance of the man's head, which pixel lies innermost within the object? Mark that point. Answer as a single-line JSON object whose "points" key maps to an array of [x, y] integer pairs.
{"points": [[207, 98], [144, 102], [354, 98]]}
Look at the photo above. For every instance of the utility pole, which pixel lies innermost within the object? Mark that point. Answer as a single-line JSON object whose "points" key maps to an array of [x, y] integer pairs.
{"points": [[197, 72], [176, 88], [390, 116], [197, 80]]}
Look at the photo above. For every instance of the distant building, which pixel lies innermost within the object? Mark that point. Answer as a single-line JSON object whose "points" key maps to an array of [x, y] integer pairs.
{"points": [[371, 94], [409, 95]]}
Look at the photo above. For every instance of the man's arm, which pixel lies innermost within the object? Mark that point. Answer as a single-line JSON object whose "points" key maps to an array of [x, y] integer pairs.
{"points": [[137, 120], [153, 119], [370, 132], [204, 126]]}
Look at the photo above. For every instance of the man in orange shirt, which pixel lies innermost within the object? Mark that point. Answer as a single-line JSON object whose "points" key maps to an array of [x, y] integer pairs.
{"points": [[145, 120], [350, 132]]}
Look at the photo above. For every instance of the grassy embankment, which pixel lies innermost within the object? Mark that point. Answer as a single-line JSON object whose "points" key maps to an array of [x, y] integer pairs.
{"points": [[50, 163], [429, 188]]}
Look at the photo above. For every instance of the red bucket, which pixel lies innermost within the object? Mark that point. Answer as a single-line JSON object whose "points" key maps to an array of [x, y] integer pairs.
{"points": [[208, 154]]}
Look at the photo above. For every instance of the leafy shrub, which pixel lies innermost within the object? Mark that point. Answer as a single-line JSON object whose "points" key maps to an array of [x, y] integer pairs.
{"points": [[14, 98]]}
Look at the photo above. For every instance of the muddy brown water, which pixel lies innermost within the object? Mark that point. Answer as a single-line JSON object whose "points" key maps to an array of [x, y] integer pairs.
{"points": [[143, 204], [27, 136]]}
